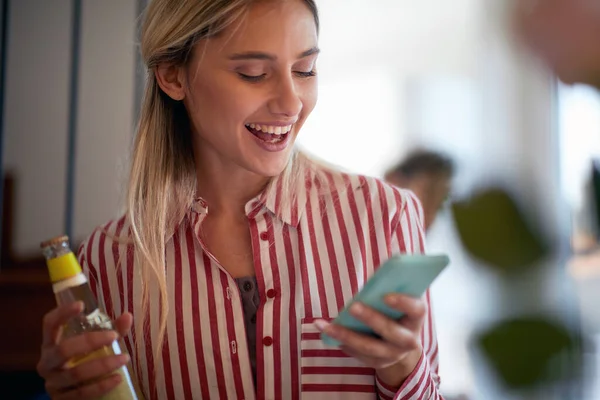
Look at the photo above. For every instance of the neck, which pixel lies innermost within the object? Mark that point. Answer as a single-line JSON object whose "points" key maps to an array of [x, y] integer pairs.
{"points": [[226, 187]]}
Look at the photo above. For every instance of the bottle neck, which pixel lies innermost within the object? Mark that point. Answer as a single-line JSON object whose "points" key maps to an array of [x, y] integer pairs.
{"points": [[74, 289], [77, 280]]}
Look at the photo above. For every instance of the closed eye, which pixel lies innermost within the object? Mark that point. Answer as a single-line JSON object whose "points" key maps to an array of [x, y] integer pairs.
{"points": [[252, 78], [306, 74]]}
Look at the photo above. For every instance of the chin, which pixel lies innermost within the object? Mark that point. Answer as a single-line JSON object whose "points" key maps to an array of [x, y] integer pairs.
{"points": [[270, 168]]}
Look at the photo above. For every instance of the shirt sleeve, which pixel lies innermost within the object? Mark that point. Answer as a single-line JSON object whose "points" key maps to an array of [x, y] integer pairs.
{"points": [[423, 383]]}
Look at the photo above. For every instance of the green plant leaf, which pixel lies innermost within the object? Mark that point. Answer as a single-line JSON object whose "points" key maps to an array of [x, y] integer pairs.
{"points": [[493, 230], [526, 352]]}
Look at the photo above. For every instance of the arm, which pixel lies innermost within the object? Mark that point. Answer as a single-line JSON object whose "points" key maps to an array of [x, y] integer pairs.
{"points": [[423, 381]]}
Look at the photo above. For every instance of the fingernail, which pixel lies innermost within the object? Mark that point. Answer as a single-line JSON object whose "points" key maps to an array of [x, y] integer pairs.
{"points": [[125, 358], [321, 324], [357, 309], [391, 300]]}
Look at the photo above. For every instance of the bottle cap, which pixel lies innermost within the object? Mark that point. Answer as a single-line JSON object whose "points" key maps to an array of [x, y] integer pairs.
{"points": [[55, 240]]}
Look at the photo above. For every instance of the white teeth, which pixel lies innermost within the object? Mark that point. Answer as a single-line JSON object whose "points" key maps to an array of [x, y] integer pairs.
{"points": [[273, 130]]}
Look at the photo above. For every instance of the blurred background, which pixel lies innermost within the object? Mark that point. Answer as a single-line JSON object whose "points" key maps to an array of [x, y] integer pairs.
{"points": [[395, 75]]}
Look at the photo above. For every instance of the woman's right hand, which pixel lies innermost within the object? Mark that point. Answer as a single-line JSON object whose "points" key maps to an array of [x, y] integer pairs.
{"points": [[64, 383]]}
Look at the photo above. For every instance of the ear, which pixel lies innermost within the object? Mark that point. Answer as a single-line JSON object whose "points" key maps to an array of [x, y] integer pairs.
{"points": [[171, 80]]}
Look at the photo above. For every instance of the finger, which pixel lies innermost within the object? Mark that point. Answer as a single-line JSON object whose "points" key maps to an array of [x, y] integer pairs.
{"points": [[91, 391], [414, 310], [390, 330], [85, 372], [123, 324], [359, 343], [55, 319], [366, 359], [79, 345]]}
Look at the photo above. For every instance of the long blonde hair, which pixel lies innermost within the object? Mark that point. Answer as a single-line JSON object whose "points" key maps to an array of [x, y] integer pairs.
{"points": [[162, 179]]}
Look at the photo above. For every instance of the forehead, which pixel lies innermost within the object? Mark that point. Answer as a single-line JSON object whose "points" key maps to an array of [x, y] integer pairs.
{"points": [[281, 27]]}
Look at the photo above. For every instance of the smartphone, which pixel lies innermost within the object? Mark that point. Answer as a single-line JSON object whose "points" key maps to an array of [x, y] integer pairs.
{"points": [[409, 274]]}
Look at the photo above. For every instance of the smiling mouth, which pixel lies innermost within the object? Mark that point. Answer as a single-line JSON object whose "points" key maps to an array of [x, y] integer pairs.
{"points": [[269, 134]]}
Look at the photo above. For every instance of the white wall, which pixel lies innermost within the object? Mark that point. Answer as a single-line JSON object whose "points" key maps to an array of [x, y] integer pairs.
{"points": [[106, 110], [37, 112], [36, 116], [370, 55]]}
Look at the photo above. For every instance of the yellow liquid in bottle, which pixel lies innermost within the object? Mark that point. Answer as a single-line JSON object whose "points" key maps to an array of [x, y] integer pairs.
{"points": [[125, 390]]}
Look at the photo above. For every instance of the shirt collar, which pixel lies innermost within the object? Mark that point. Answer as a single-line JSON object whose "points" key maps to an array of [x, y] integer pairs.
{"points": [[271, 198]]}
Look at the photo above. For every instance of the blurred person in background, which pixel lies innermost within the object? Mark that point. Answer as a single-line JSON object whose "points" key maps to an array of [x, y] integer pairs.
{"points": [[565, 34], [428, 174]]}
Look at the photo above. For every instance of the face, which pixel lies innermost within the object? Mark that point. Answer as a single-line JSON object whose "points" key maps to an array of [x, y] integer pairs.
{"points": [[565, 33], [249, 90]]}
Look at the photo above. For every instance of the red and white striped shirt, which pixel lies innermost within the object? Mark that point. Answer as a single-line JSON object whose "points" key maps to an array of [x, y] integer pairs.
{"points": [[309, 260]]}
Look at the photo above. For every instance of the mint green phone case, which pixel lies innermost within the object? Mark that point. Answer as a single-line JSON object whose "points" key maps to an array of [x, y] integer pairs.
{"points": [[409, 274]]}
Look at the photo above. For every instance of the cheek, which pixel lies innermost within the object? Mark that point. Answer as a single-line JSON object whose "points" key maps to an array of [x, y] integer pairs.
{"points": [[216, 102], [309, 100], [313, 95]]}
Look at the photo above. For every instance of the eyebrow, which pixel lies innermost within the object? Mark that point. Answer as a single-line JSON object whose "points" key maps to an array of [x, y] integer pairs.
{"points": [[257, 55]]}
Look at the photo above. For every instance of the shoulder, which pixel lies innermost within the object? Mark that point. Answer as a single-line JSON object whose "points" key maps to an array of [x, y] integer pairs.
{"points": [[104, 246], [368, 194]]}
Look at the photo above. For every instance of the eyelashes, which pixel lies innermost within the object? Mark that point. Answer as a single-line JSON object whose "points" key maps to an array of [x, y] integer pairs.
{"points": [[261, 77], [252, 78]]}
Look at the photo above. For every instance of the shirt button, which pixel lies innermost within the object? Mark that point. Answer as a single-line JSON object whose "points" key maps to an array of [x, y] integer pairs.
{"points": [[264, 236], [271, 293], [268, 341], [247, 286]]}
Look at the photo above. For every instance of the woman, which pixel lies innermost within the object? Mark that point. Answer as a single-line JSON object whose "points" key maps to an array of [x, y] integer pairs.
{"points": [[235, 250]]}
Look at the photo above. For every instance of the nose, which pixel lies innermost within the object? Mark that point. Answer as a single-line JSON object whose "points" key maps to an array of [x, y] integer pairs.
{"points": [[286, 100]]}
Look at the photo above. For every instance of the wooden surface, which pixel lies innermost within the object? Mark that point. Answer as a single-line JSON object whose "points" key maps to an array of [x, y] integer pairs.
{"points": [[25, 296]]}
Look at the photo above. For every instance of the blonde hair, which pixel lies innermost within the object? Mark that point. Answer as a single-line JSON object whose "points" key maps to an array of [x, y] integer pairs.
{"points": [[162, 179]]}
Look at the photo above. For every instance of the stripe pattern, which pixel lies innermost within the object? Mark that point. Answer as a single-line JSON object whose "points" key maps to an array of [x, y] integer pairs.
{"points": [[310, 258]]}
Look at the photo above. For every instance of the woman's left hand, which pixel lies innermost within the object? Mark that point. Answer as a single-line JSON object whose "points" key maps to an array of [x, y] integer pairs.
{"points": [[397, 353]]}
